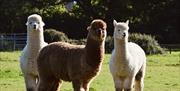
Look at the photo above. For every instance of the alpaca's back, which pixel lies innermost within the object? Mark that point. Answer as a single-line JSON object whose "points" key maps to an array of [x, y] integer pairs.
{"points": [[136, 52], [62, 58], [137, 56]]}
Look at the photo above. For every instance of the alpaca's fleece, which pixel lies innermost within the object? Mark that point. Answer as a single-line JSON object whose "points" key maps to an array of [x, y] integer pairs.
{"points": [[62, 61], [35, 41], [128, 60]]}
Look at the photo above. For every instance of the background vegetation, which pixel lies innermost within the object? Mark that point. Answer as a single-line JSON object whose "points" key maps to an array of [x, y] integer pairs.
{"points": [[156, 17], [162, 74], [147, 42]]}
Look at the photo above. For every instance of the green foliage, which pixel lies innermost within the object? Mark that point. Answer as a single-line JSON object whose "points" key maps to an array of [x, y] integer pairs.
{"points": [[109, 44], [51, 35], [159, 18], [6, 45], [12, 16], [77, 42], [147, 42]]}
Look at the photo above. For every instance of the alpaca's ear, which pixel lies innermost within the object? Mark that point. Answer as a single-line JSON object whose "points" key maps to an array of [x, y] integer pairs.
{"points": [[26, 23], [43, 24], [88, 28], [114, 22], [127, 22]]}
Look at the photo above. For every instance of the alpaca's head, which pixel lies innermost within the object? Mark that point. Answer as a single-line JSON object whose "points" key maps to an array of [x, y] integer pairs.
{"points": [[34, 22], [121, 30], [97, 30]]}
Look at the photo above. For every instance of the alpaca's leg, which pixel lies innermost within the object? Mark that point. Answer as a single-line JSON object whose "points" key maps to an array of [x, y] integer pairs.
{"points": [[118, 82], [60, 84], [129, 89], [139, 85], [86, 84], [48, 85], [119, 89], [30, 82], [54, 85], [128, 83], [139, 79], [77, 85], [42, 85]]}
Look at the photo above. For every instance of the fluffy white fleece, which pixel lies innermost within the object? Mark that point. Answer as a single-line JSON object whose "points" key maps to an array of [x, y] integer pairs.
{"points": [[128, 60], [35, 42]]}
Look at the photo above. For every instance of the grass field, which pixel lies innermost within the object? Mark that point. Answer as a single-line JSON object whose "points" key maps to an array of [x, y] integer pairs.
{"points": [[163, 74]]}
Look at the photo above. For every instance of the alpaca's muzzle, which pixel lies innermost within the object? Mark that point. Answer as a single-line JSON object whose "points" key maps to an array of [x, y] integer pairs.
{"points": [[98, 31], [124, 34], [34, 26]]}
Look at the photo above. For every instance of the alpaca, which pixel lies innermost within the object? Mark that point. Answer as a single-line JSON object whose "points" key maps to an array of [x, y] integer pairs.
{"points": [[35, 41], [79, 64], [128, 60]]}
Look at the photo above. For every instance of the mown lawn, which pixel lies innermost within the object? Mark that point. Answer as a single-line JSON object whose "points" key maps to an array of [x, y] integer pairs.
{"points": [[163, 74]]}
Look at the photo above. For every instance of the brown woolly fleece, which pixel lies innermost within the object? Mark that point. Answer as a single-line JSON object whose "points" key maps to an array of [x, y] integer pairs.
{"points": [[60, 61]]}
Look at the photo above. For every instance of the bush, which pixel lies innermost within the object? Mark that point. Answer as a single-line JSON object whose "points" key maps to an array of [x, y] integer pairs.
{"points": [[51, 35], [109, 44], [147, 43], [6, 45], [77, 42]]}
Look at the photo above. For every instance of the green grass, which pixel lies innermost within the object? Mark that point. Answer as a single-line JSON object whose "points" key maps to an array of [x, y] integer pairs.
{"points": [[11, 78], [162, 74]]}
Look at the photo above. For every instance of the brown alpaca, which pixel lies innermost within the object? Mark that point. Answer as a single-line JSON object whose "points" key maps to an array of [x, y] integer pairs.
{"points": [[61, 61]]}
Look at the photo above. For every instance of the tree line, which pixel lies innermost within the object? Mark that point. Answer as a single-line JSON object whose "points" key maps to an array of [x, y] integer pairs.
{"points": [[156, 17]]}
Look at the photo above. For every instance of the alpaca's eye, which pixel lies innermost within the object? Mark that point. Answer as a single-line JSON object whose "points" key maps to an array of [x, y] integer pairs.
{"points": [[38, 22], [119, 30], [30, 22]]}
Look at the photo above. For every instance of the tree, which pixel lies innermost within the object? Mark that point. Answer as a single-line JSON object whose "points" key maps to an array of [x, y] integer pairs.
{"points": [[156, 17], [11, 12]]}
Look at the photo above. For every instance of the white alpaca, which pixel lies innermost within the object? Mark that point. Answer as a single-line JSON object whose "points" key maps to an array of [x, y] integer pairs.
{"points": [[35, 42], [128, 60]]}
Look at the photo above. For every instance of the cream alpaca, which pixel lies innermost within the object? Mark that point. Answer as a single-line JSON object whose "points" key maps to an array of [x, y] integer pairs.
{"points": [[128, 60], [35, 41]]}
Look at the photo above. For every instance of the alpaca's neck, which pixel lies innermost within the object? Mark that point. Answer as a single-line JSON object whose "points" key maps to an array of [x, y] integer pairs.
{"points": [[35, 38], [94, 52], [121, 48]]}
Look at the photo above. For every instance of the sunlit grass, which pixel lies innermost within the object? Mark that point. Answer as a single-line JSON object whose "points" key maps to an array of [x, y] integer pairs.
{"points": [[162, 74]]}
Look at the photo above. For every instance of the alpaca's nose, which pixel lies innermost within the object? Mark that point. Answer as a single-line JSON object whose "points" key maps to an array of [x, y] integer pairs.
{"points": [[98, 31], [34, 26], [124, 34]]}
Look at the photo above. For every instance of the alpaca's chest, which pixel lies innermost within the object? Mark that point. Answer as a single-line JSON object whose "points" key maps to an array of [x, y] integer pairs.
{"points": [[32, 66], [91, 72], [28, 60], [122, 67], [29, 66], [33, 53]]}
